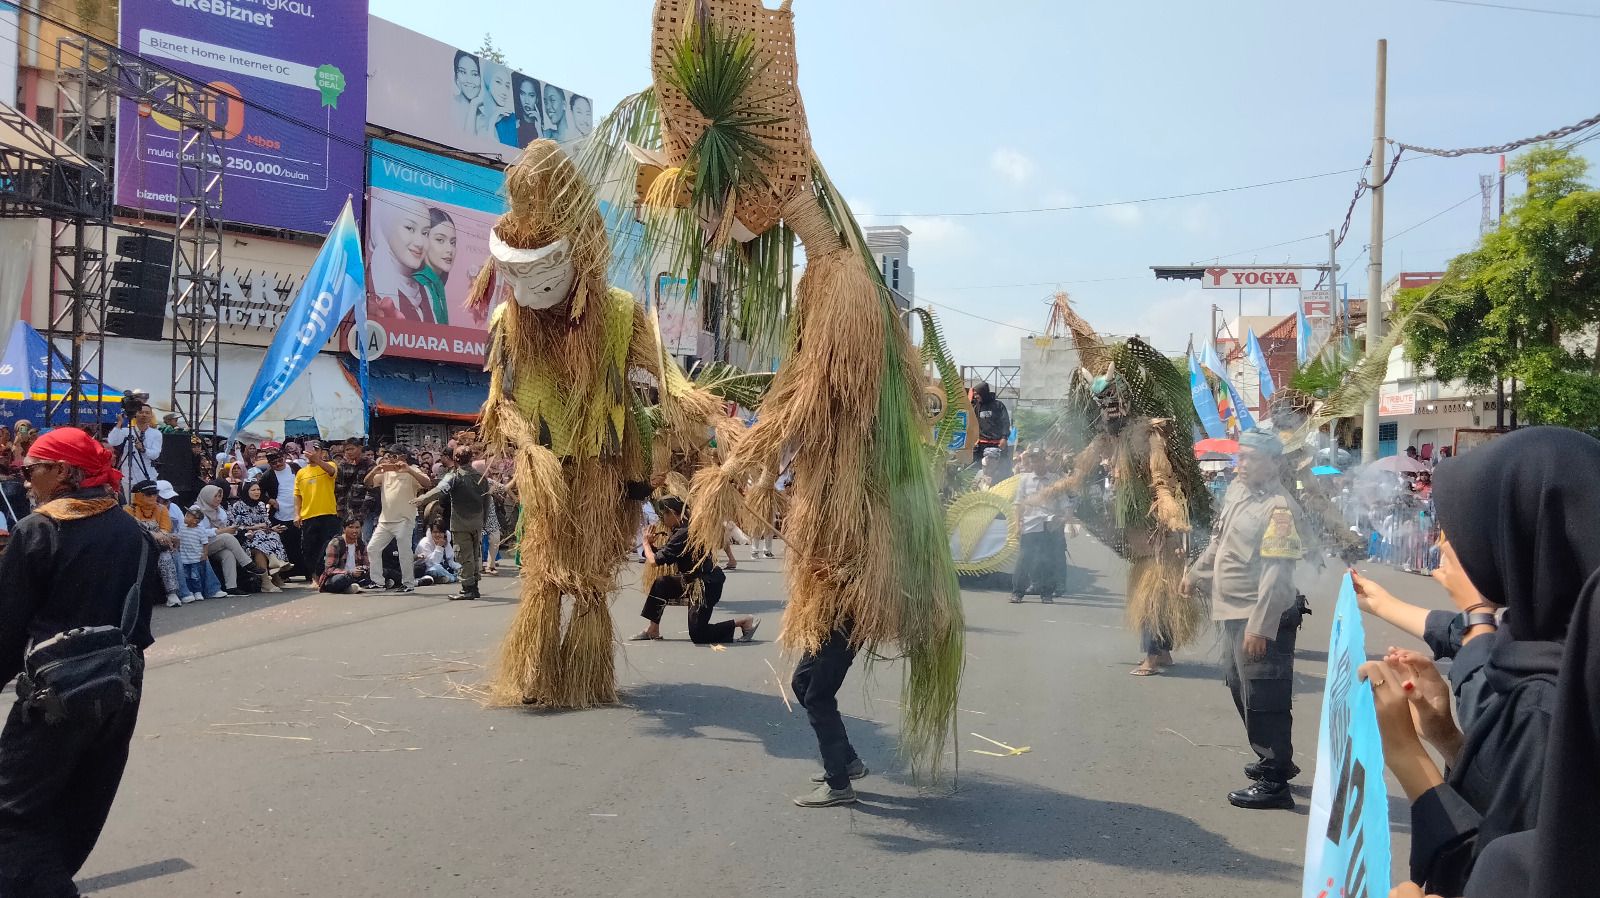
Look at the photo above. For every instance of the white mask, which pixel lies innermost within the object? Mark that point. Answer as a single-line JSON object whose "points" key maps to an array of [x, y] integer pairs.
{"points": [[540, 278]]}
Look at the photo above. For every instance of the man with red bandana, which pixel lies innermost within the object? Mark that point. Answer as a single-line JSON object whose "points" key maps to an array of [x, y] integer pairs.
{"points": [[70, 564]]}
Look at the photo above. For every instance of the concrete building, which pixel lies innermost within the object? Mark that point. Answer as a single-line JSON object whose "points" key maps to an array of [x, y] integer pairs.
{"points": [[891, 246]]}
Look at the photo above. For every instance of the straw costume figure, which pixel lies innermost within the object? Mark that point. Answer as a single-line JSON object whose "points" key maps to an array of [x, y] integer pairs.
{"points": [[561, 347], [1130, 412], [727, 173]]}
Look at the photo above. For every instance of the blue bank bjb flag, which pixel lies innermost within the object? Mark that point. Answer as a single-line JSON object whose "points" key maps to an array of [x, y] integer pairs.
{"points": [[1347, 841], [336, 286]]}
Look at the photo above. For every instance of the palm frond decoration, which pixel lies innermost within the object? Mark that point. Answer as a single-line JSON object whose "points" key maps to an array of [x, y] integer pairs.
{"points": [[1362, 380], [729, 384], [605, 155], [936, 353], [759, 275]]}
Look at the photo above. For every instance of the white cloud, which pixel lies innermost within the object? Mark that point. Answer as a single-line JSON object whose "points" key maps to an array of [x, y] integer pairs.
{"points": [[1164, 323], [1200, 220], [935, 232], [1012, 165], [1123, 214]]}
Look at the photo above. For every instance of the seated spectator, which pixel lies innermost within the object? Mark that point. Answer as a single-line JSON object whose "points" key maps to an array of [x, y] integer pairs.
{"points": [[223, 543], [345, 566], [147, 509], [436, 559], [200, 581]]}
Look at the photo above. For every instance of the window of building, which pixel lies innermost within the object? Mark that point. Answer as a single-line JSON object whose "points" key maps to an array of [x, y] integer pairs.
{"points": [[894, 279]]}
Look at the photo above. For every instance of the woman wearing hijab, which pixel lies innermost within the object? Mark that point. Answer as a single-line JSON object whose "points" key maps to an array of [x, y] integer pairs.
{"points": [[440, 258], [396, 254], [1521, 526], [253, 518], [224, 542], [151, 513]]}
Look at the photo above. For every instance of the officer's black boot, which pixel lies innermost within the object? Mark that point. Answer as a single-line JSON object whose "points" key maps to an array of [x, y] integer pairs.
{"points": [[1262, 796]]}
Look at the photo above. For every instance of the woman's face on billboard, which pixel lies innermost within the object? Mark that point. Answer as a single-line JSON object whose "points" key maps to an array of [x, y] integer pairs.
{"points": [[442, 246], [405, 237], [555, 105], [528, 93], [467, 78], [500, 87]]}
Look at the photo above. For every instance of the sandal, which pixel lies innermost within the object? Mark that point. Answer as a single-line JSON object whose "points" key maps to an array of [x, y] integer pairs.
{"points": [[644, 636], [1145, 671], [750, 634]]}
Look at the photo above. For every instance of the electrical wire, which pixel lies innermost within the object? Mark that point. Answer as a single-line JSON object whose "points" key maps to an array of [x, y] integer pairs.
{"points": [[1498, 149], [1505, 6]]}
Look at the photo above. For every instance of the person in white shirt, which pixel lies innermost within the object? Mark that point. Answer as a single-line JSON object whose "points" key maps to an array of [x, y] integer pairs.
{"points": [[137, 447], [436, 556], [1037, 520], [400, 482]]}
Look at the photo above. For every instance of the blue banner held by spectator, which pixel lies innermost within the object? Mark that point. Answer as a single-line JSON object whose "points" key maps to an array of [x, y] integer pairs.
{"points": [[1347, 838], [1205, 402], [336, 286]]}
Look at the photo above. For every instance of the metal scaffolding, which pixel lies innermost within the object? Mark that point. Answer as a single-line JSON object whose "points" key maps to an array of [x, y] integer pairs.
{"points": [[92, 77]]}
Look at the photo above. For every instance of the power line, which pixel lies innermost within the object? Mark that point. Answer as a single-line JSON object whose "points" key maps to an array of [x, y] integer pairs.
{"points": [[1547, 12], [1269, 246], [1085, 206], [1556, 134]]}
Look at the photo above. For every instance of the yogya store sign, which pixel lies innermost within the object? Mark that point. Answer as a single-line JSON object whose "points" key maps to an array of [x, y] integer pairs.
{"points": [[1250, 278]]}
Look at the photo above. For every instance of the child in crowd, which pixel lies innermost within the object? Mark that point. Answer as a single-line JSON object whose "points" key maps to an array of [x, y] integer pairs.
{"points": [[436, 559], [199, 580]]}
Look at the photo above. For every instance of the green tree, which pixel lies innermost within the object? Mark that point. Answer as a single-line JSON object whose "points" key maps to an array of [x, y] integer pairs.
{"points": [[1519, 305], [491, 52]]}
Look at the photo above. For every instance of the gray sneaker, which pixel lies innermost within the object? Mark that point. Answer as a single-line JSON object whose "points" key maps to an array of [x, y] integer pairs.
{"points": [[825, 796], [857, 770]]}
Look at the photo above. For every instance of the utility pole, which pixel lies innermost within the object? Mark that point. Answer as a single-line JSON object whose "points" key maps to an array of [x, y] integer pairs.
{"points": [[1375, 315], [1333, 286]]}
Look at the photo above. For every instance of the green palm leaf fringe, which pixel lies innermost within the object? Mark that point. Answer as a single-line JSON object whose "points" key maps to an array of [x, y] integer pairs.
{"points": [[728, 383], [936, 353], [1362, 380]]}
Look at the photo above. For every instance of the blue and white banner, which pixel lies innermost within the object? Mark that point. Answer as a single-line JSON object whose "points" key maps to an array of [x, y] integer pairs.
{"points": [[1347, 839], [1302, 336], [1205, 402], [1252, 348], [1247, 421], [336, 286]]}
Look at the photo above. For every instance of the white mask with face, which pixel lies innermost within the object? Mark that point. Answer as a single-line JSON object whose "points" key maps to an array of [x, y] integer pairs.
{"points": [[540, 278]]}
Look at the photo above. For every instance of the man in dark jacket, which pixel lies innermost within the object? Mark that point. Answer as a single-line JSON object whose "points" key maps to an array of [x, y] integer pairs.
{"points": [[994, 428], [469, 498], [69, 564]]}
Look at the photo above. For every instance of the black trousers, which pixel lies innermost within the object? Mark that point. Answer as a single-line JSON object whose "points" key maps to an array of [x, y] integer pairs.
{"points": [[57, 783], [292, 537], [1037, 569], [816, 685], [315, 534], [701, 630], [1263, 693]]}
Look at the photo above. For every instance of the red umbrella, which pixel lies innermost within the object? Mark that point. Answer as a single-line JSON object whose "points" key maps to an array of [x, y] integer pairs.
{"points": [[1216, 447]]}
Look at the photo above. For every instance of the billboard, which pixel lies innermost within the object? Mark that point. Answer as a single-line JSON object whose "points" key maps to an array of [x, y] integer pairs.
{"points": [[429, 89], [428, 225], [1251, 277], [310, 69]]}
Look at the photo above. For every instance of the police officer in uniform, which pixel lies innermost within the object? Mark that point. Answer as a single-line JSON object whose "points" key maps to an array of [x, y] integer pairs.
{"points": [[1248, 569]]}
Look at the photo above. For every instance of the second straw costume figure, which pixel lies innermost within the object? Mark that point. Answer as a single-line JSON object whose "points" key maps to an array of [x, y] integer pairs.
{"points": [[734, 181]]}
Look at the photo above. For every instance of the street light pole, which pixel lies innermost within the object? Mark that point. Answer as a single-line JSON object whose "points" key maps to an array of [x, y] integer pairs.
{"points": [[1375, 314]]}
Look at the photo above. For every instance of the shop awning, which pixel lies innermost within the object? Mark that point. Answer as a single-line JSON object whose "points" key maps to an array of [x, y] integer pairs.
{"points": [[416, 387], [321, 395]]}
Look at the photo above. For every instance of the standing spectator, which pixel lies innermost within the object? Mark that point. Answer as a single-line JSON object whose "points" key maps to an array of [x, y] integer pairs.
{"points": [[315, 507], [344, 561], [147, 509], [253, 516], [199, 580], [469, 493], [994, 429], [222, 541], [296, 458], [137, 446], [8, 459], [354, 496], [75, 562], [278, 488], [1036, 520], [399, 483], [169, 424]]}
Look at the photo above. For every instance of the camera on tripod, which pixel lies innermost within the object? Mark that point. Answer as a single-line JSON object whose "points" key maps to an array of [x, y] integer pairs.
{"points": [[133, 401]]}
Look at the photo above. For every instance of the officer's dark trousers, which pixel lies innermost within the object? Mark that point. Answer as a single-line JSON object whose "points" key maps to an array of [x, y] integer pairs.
{"points": [[1263, 692], [816, 685], [57, 782]]}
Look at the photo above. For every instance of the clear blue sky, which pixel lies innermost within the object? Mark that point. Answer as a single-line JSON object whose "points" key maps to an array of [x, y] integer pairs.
{"points": [[934, 106]]}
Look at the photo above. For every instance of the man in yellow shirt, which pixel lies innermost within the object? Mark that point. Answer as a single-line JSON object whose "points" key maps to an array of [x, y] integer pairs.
{"points": [[316, 510]]}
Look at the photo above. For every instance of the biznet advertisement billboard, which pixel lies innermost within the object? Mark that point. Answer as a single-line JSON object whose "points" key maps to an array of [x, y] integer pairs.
{"points": [[429, 89], [305, 60], [428, 225]]}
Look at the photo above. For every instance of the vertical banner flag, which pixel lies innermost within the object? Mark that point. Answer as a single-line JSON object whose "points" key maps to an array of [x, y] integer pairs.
{"points": [[336, 286], [1347, 837], [1234, 415], [1205, 404], [1247, 421], [1252, 346], [1302, 336]]}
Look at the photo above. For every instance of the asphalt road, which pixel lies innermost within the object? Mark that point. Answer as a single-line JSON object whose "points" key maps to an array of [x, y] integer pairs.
{"points": [[319, 745]]}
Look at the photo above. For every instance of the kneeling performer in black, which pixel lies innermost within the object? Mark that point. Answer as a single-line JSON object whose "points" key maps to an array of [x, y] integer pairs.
{"points": [[691, 566]]}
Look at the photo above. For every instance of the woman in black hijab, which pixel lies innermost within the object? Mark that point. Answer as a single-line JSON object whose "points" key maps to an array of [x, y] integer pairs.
{"points": [[1522, 518]]}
